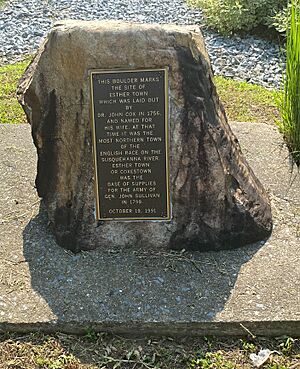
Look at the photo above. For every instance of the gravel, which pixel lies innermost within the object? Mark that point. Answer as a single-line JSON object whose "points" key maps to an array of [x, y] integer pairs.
{"points": [[24, 24]]}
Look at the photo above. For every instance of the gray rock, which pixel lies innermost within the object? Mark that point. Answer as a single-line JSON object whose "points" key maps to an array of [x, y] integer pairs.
{"points": [[216, 199]]}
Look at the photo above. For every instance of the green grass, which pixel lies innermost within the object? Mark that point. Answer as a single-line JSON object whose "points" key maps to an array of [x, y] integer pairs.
{"points": [[290, 103], [247, 102], [102, 351], [10, 109], [242, 101]]}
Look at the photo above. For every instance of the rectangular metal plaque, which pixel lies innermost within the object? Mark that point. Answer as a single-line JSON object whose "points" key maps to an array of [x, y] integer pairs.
{"points": [[130, 140]]}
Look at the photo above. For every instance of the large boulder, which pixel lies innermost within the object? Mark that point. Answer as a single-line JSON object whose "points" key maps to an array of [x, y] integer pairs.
{"points": [[217, 202]]}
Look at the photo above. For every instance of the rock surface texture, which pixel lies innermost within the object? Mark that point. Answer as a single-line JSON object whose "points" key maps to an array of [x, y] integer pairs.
{"points": [[217, 202]]}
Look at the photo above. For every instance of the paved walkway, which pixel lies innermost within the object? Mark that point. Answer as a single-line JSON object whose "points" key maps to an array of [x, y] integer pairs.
{"points": [[44, 287]]}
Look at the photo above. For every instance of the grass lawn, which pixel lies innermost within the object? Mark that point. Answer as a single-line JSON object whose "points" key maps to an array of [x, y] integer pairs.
{"points": [[10, 109], [243, 101], [102, 351]]}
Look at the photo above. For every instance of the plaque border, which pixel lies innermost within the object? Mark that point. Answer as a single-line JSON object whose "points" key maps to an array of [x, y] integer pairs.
{"points": [[91, 72]]}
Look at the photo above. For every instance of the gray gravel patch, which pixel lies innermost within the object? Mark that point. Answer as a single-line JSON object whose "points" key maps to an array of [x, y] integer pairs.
{"points": [[23, 26]]}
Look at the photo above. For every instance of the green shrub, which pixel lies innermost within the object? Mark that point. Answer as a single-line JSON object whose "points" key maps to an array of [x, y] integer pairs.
{"points": [[281, 20], [228, 16], [290, 103]]}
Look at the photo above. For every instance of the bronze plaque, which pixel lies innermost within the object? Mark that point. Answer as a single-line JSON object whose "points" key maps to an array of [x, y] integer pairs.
{"points": [[131, 148]]}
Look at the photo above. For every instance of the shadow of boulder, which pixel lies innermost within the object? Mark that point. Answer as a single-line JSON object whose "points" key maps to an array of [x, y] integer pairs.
{"points": [[129, 291]]}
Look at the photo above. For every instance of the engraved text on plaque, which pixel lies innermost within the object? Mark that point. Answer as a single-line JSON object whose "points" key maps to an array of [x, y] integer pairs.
{"points": [[130, 137]]}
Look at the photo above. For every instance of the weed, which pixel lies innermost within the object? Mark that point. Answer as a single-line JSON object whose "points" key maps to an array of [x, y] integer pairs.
{"points": [[290, 103], [91, 335], [209, 342], [58, 363], [248, 346], [286, 346], [211, 360]]}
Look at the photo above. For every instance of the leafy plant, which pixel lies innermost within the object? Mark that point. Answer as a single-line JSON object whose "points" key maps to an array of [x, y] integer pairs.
{"points": [[228, 16], [91, 335], [289, 105], [248, 346], [281, 20], [58, 363], [210, 360], [287, 345]]}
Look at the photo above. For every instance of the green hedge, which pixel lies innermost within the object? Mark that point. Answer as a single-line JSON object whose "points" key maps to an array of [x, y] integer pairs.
{"points": [[229, 16], [281, 21]]}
